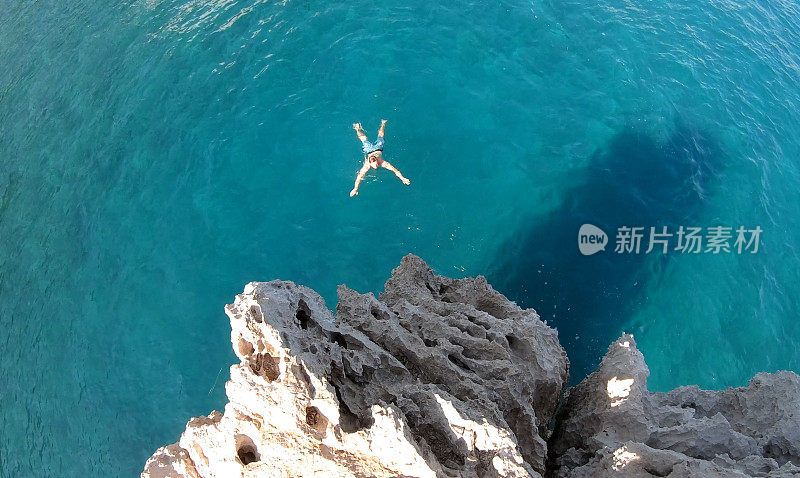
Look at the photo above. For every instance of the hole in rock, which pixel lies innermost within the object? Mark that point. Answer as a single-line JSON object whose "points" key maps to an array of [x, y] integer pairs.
{"points": [[338, 339], [516, 345], [246, 450], [512, 342], [431, 289], [348, 421], [657, 471], [376, 314], [775, 451], [316, 420], [477, 321], [459, 363], [255, 313], [265, 365], [303, 314]]}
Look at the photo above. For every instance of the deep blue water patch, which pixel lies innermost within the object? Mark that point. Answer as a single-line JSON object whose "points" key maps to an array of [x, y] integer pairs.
{"points": [[633, 181]]}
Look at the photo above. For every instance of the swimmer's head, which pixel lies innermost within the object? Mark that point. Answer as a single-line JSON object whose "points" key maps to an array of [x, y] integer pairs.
{"points": [[373, 159]]}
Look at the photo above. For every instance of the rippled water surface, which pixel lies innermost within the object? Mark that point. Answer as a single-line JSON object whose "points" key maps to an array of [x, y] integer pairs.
{"points": [[155, 156]]}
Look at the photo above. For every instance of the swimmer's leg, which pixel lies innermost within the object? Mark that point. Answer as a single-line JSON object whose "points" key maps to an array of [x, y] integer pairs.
{"points": [[383, 127], [360, 132]]}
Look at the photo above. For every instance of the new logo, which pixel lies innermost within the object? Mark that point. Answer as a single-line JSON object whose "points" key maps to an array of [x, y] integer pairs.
{"points": [[591, 239]]}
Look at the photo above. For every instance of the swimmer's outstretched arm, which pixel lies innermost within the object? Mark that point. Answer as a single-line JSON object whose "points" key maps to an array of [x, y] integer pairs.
{"points": [[359, 177], [388, 165]]}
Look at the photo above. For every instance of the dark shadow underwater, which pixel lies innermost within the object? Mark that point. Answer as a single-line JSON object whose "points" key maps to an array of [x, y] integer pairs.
{"points": [[635, 181]]}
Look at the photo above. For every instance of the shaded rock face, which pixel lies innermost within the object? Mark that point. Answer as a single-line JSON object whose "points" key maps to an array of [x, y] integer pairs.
{"points": [[611, 425], [439, 377], [447, 378]]}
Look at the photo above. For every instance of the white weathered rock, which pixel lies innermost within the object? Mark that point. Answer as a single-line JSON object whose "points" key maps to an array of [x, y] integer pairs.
{"points": [[440, 377]]}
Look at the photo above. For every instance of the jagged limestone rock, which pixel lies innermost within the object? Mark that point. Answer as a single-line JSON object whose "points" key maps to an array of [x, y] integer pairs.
{"points": [[439, 377], [611, 425], [447, 378]]}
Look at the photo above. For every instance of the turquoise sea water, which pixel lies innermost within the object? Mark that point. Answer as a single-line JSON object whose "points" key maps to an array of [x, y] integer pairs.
{"points": [[155, 156]]}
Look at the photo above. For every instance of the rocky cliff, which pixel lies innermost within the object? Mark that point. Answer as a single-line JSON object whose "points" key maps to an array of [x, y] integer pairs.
{"points": [[447, 378]]}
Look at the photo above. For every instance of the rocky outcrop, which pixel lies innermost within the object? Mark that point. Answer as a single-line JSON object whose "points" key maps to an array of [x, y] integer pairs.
{"points": [[439, 377], [447, 378], [611, 425]]}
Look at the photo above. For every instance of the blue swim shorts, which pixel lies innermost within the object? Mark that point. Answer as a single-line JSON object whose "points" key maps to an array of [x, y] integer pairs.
{"points": [[368, 147]]}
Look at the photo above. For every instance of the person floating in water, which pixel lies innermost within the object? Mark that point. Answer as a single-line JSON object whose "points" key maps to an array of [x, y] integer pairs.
{"points": [[373, 156]]}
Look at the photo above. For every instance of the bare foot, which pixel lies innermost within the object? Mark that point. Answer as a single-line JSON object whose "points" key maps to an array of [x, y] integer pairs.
{"points": [[383, 122], [356, 126], [406, 181], [354, 192]]}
